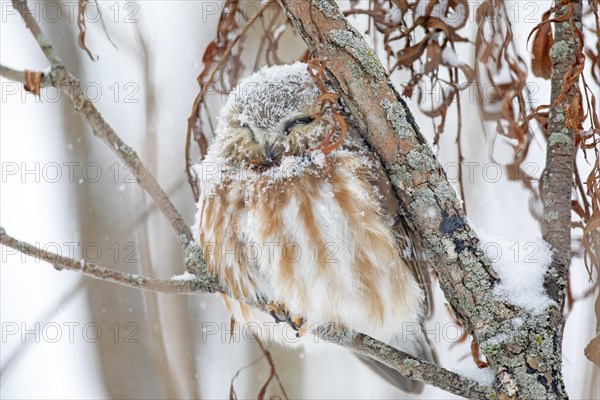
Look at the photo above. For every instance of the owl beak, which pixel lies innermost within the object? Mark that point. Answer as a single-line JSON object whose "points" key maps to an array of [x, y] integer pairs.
{"points": [[272, 149], [270, 152]]}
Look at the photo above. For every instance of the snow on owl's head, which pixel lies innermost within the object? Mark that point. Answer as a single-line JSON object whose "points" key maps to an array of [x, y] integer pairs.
{"points": [[268, 116]]}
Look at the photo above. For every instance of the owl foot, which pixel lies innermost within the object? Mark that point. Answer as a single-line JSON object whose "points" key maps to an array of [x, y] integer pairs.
{"points": [[278, 311], [297, 324]]}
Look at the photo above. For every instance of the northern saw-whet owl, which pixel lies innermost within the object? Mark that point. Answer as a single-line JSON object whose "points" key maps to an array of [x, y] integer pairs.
{"points": [[319, 236]]}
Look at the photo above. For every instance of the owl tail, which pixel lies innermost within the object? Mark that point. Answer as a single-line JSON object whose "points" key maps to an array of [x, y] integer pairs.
{"points": [[418, 346]]}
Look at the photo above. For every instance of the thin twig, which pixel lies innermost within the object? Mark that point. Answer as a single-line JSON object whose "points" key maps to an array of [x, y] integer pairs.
{"points": [[19, 76], [272, 371], [198, 285]]}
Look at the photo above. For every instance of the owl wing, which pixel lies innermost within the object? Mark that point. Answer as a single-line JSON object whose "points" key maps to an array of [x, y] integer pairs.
{"points": [[412, 255], [410, 246], [408, 242]]}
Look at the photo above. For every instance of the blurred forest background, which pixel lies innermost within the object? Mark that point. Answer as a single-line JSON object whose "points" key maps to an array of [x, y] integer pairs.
{"points": [[64, 336]]}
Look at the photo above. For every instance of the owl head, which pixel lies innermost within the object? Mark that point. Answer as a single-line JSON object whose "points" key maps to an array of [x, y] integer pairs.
{"points": [[269, 115]]}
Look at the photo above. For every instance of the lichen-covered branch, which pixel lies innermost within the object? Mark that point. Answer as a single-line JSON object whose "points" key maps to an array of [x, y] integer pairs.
{"points": [[197, 285], [560, 155], [525, 357], [406, 364], [20, 76]]}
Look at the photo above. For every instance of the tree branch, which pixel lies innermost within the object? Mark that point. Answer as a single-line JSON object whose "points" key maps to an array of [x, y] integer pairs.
{"points": [[407, 365], [19, 76], [198, 285], [362, 344], [560, 154]]}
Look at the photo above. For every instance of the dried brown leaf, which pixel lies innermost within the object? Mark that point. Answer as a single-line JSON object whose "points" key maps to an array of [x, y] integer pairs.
{"points": [[82, 6], [468, 71], [32, 81], [433, 57], [402, 5], [592, 350], [408, 55], [574, 118], [541, 64], [593, 223]]}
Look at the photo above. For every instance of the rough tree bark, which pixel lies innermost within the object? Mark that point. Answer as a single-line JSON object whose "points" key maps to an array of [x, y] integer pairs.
{"points": [[560, 158], [526, 357]]}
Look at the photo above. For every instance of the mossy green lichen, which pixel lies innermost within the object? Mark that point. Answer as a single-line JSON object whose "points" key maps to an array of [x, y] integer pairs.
{"points": [[420, 159], [539, 339], [139, 280], [446, 194], [328, 9], [379, 347], [492, 350], [395, 113], [410, 363], [551, 216], [125, 148], [365, 56], [193, 256], [563, 137], [435, 248], [414, 159], [560, 50], [463, 235], [354, 68], [558, 115], [195, 264], [341, 38]]}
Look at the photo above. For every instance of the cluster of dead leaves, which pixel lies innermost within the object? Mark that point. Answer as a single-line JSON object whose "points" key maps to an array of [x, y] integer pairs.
{"points": [[421, 37]]}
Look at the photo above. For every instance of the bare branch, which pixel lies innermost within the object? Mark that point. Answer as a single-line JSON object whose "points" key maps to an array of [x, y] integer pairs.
{"points": [[408, 365], [71, 86], [19, 76], [560, 153], [198, 285]]}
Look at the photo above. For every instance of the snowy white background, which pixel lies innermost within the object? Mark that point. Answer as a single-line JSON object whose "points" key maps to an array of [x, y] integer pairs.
{"points": [[155, 346]]}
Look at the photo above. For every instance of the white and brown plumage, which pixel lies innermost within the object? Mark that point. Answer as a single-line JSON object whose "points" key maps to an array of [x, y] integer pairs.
{"points": [[322, 239]]}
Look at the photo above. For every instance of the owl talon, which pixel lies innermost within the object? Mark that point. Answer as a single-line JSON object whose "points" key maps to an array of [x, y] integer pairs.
{"points": [[274, 316], [278, 312], [297, 324]]}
